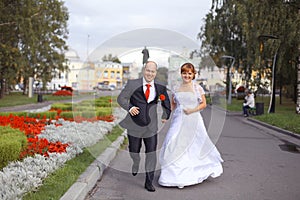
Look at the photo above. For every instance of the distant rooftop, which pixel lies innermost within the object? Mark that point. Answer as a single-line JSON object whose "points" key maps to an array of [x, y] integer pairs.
{"points": [[71, 54]]}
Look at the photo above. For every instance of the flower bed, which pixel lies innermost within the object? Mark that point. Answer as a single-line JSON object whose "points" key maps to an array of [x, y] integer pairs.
{"points": [[54, 142]]}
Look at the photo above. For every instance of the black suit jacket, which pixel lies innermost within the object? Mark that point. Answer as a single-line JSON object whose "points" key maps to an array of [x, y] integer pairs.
{"points": [[133, 95]]}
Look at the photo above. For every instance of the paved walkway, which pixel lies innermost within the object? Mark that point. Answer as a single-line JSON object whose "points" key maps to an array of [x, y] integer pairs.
{"points": [[260, 163]]}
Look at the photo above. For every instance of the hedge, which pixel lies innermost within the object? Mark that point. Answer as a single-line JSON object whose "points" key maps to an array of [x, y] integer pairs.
{"points": [[13, 142]]}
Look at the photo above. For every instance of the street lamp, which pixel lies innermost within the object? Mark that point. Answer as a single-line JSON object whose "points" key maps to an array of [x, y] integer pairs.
{"points": [[229, 74], [262, 38]]}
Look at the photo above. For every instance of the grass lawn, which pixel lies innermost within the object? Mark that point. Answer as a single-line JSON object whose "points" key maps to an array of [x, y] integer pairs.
{"points": [[285, 116], [17, 98], [57, 184]]}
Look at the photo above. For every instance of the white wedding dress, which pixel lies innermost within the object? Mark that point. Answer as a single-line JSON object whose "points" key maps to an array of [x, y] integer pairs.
{"points": [[187, 155]]}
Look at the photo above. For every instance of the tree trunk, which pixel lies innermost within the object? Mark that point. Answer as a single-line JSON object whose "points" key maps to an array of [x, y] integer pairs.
{"points": [[24, 87], [2, 88], [298, 87]]}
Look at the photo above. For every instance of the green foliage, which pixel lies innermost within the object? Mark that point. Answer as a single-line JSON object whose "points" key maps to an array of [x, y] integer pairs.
{"points": [[102, 106], [33, 34], [233, 28], [162, 75], [88, 114], [111, 58], [41, 115], [12, 143], [289, 122], [18, 98], [285, 116], [104, 111], [70, 115], [62, 106], [20, 114]]}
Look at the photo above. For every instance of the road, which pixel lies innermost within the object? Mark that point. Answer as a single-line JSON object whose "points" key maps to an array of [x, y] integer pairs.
{"points": [[259, 164]]}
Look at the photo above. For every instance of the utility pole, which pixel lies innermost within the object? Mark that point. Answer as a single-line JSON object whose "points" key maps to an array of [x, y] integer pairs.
{"points": [[262, 38]]}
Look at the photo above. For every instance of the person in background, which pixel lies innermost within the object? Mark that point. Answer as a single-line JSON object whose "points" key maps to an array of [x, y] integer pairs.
{"points": [[248, 103]]}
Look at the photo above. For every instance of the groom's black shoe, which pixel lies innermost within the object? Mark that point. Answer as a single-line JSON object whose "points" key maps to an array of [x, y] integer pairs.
{"points": [[135, 169], [149, 187]]}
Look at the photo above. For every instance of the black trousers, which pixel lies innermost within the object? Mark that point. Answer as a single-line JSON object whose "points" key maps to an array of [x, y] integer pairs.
{"points": [[135, 144]]}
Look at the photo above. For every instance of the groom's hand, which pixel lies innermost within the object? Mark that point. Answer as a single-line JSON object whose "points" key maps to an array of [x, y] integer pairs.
{"points": [[164, 120], [134, 111]]}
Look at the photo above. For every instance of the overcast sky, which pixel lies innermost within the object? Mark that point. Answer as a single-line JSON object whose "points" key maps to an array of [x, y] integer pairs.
{"points": [[93, 22]]}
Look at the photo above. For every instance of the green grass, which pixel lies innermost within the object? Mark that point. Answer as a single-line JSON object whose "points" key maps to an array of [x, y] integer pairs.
{"points": [[285, 116], [61, 180], [289, 122], [17, 98]]}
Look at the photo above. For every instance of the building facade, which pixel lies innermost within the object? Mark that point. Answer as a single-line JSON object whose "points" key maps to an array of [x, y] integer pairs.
{"points": [[108, 73]]}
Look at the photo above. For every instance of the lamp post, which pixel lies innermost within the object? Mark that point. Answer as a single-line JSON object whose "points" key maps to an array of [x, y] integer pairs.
{"points": [[229, 74], [262, 38]]}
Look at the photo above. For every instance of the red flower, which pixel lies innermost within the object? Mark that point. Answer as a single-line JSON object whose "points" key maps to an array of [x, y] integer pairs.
{"points": [[162, 97]]}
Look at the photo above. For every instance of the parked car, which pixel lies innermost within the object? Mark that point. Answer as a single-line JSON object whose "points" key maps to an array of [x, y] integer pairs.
{"points": [[105, 87]]}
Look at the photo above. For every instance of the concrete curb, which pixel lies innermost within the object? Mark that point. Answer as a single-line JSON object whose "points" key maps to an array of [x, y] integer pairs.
{"points": [[88, 179], [275, 128], [286, 132]]}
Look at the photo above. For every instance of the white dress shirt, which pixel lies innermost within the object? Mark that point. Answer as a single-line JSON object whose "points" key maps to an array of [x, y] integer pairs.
{"points": [[250, 101], [152, 90]]}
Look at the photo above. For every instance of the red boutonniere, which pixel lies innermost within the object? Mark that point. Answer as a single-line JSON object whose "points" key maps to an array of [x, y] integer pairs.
{"points": [[162, 97]]}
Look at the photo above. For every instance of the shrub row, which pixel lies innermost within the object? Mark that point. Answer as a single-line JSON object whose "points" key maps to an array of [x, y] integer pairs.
{"points": [[40, 115], [86, 113], [13, 142], [62, 106], [87, 105], [99, 112]]}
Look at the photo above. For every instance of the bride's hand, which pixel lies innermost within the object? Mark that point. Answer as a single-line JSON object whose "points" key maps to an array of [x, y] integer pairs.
{"points": [[188, 111]]}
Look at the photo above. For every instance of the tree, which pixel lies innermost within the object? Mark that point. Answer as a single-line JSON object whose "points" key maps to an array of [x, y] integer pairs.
{"points": [[114, 59], [35, 31], [233, 27], [162, 75]]}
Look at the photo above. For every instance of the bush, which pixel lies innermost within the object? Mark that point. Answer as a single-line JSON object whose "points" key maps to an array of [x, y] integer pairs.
{"points": [[88, 114], [104, 111], [19, 114], [69, 115], [83, 108], [41, 115], [13, 142], [62, 106]]}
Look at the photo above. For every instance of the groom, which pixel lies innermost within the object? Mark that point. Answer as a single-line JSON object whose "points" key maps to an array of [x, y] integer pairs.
{"points": [[140, 98]]}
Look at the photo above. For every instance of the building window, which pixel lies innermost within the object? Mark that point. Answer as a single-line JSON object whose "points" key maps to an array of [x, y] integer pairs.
{"points": [[118, 75], [112, 74], [98, 74], [105, 74]]}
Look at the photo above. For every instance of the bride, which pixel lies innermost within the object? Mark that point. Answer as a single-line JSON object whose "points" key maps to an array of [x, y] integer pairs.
{"points": [[188, 156]]}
